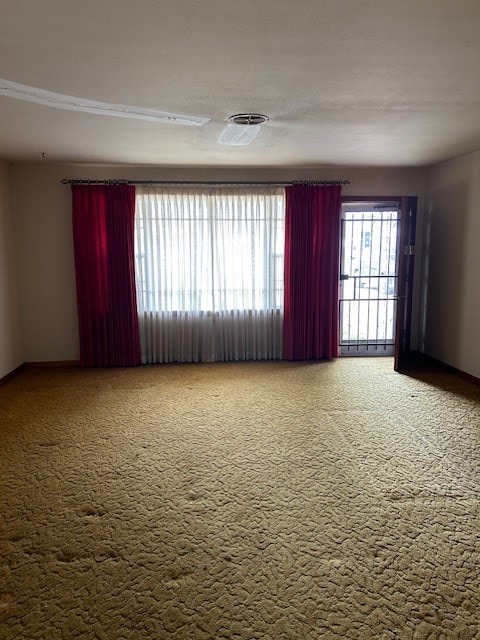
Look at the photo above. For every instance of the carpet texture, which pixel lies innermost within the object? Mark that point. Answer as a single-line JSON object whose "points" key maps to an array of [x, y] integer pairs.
{"points": [[265, 501]]}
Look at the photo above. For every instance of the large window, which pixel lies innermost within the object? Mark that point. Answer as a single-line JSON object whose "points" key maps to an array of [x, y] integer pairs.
{"points": [[203, 252]]}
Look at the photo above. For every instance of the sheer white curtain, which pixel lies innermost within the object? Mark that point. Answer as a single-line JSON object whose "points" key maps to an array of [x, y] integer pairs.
{"points": [[209, 273]]}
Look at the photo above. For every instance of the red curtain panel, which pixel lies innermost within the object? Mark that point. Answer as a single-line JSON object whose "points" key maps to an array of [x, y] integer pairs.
{"points": [[103, 238], [312, 263]]}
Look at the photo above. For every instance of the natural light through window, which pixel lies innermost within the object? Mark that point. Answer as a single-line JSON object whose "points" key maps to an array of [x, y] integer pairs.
{"points": [[210, 250], [209, 272]]}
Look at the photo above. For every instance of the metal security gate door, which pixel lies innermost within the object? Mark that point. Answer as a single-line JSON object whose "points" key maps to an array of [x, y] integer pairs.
{"points": [[369, 278]]}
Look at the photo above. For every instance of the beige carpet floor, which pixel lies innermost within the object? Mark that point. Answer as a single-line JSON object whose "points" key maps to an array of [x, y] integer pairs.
{"points": [[265, 501]]}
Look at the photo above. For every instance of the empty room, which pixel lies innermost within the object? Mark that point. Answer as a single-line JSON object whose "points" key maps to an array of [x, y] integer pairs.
{"points": [[239, 314]]}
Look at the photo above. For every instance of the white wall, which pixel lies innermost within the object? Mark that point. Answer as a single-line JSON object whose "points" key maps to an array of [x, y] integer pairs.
{"points": [[44, 233], [450, 315], [11, 349]]}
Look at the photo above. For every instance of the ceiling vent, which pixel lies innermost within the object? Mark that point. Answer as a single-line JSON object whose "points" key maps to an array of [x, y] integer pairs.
{"points": [[242, 129], [248, 118]]}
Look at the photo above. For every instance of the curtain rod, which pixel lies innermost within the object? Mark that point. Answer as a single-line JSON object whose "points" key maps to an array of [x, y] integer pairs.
{"points": [[208, 182]]}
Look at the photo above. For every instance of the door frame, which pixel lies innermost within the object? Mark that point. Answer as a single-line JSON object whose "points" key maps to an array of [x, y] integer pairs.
{"points": [[405, 268]]}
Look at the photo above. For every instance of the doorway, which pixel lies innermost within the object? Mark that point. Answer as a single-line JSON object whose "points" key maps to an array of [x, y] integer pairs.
{"points": [[369, 280]]}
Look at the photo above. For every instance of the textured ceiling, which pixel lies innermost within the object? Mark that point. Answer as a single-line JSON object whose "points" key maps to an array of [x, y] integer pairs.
{"points": [[356, 82]]}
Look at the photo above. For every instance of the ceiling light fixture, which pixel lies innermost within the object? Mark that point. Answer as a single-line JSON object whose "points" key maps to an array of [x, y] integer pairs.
{"points": [[71, 103], [243, 129]]}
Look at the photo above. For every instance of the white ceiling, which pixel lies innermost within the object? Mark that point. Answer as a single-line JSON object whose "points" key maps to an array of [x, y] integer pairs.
{"points": [[352, 82]]}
